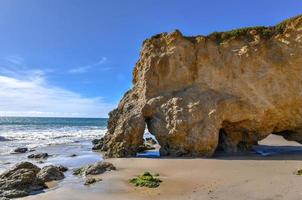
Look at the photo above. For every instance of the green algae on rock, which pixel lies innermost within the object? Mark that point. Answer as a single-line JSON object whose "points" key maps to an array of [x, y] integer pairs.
{"points": [[146, 180]]}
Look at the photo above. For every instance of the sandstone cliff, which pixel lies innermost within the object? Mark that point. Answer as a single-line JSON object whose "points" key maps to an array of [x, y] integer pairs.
{"points": [[223, 91]]}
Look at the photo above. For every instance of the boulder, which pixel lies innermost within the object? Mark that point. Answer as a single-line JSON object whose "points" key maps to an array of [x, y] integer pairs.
{"points": [[224, 91], [51, 173], [20, 181]]}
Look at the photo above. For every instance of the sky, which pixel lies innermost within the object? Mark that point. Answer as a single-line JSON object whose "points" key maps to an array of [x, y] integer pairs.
{"points": [[74, 58]]}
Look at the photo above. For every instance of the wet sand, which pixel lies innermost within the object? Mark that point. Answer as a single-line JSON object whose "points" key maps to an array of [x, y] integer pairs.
{"points": [[223, 177]]}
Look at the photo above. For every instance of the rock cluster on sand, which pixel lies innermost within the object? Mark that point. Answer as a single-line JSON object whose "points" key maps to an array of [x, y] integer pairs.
{"points": [[94, 169], [223, 91], [25, 178]]}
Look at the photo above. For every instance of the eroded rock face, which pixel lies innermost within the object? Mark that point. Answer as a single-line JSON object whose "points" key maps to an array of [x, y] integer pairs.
{"points": [[223, 91]]}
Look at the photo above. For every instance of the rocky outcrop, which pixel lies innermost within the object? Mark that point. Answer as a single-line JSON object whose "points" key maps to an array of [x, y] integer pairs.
{"points": [[25, 178], [20, 181], [223, 91]]}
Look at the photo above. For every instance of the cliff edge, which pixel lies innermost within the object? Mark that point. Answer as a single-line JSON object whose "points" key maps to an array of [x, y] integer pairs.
{"points": [[225, 91]]}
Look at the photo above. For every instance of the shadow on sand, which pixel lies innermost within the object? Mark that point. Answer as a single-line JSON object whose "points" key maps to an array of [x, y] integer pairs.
{"points": [[259, 152]]}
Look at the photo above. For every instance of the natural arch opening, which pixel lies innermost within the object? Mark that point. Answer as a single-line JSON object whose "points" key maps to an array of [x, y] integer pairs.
{"points": [[150, 147], [277, 143]]}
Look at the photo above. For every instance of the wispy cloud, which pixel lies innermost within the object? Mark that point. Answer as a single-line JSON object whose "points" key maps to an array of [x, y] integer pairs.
{"points": [[14, 60], [84, 69], [26, 92]]}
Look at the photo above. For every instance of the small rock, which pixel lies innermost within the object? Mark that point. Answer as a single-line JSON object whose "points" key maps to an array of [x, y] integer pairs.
{"points": [[144, 147], [77, 171], [50, 173], [38, 156], [150, 141], [3, 139], [21, 150], [99, 168], [96, 141], [62, 168], [94, 169], [90, 181], [97, 144]]}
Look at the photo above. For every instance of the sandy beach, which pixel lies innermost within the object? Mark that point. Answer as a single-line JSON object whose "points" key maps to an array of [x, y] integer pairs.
{"points": [[222, 177]]}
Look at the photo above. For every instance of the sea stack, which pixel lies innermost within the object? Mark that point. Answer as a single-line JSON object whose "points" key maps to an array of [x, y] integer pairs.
{"points": [[224, 91]]}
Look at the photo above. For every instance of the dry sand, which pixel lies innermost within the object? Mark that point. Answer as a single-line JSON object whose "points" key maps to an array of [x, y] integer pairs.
{"points": [[223, 177]]}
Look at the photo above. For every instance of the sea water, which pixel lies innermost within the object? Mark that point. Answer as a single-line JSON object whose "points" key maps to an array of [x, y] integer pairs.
{"points": [[66, 140], [33, 132]]}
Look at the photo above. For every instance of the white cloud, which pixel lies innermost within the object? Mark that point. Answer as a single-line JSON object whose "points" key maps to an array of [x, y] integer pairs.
{"points": [[84, 69], [35, 98], [26, 93]]}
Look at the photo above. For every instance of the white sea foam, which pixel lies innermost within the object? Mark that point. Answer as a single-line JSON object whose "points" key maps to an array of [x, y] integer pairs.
{"points": [[32, 137]]}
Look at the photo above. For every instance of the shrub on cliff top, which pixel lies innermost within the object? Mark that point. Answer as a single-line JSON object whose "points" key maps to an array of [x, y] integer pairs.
{"points": [[265, 32], [146, 180]]}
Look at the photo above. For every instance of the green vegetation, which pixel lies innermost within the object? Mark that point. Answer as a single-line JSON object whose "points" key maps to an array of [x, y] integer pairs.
{"points": [[264, 32], [146, 180]]}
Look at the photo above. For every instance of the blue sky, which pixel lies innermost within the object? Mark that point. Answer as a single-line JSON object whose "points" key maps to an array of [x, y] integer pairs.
{"points": [[75, 57]]}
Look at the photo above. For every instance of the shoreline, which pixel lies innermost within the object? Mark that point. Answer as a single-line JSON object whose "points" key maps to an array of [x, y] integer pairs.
{"points": [[192, 178], [248, 176]]}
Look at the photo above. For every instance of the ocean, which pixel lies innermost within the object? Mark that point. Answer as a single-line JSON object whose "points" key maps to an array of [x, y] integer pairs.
{"points": [[34, 132]]}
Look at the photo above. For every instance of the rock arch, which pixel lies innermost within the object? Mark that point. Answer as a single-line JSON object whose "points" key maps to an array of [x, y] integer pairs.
{"points": [[226, 90]]}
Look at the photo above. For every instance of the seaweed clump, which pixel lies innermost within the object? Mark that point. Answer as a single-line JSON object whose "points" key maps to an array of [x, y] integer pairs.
{"points": [[299, 172], [146, 180]]}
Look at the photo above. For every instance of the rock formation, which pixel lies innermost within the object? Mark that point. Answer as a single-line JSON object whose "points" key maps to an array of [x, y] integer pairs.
{"points": [[25, 178], [20, 181], [224, 91]]}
